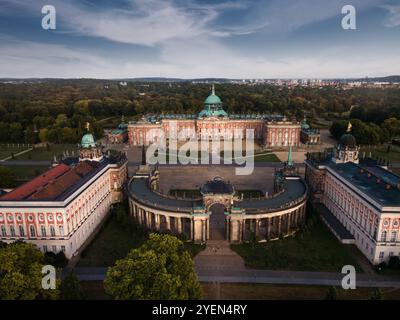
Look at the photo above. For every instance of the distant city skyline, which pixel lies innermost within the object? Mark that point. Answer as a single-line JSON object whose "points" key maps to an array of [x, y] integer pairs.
{"points": [[265, 39]]}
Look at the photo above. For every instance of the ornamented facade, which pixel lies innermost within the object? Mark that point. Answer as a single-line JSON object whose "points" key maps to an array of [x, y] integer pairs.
{"points": [[359, 200], [267, 218], [213, 122], [60, 209], [309, 135]]}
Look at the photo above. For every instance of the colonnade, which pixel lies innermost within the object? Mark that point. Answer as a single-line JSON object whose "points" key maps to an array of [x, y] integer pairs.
{"points": [[239, 227]]}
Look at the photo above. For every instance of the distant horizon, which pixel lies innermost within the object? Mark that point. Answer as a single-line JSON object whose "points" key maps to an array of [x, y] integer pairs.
{"points": [[196, 78]]}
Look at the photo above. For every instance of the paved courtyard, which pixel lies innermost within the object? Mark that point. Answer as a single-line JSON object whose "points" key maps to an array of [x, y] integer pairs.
{"points": [[193, 177]]}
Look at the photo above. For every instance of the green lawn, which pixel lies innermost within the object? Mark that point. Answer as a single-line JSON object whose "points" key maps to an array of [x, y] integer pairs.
{"points": [[115, 240], [381, 152], [27, 172], [43, 153], [7, 150], [313, 250], [266, 157]]}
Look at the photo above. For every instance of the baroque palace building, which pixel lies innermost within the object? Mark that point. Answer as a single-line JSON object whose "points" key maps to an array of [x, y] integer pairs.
{"points": [[358, 199], [214, 123], [267, 218], [60, 209]]}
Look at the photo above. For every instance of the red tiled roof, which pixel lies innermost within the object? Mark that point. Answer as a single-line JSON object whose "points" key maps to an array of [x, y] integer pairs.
{"points": [[32, 186], [58, 186]]}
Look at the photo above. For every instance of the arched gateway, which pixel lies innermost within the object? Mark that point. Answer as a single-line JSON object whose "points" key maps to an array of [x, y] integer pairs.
{"points": [[219, 212]]}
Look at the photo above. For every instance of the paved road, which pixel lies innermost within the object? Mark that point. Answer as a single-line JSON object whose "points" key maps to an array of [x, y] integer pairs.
{"points": [[229, 275]]}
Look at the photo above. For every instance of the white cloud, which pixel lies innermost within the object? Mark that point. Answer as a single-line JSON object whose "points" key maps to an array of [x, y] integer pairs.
{"points": [[394, 16]]}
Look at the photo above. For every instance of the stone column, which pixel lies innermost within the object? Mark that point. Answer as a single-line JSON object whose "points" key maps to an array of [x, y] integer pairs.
{"points": [[288, 217], [279, 225], [168, 223], [268, 228], [157, 221], [257, 228], [179, 224], [191, 235], [149, 222]]}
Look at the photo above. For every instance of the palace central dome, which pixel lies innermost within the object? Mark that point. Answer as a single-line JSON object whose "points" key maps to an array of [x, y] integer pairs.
{"points": [[213, 99], [213, 106], [88, 141]]}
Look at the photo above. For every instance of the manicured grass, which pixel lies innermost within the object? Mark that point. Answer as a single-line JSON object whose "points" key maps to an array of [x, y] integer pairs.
{"points": [[381, 152], [313, 250], [27, 172], [258, 291], [116, 239], [43, 153], [113, 242], [266, 157], [6, 150]]}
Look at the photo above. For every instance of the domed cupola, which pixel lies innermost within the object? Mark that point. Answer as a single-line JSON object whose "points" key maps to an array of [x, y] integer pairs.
{"points": [[346, 149], [213, 106], [89, 149], [304, 125], [347, 141], [88, 141]]}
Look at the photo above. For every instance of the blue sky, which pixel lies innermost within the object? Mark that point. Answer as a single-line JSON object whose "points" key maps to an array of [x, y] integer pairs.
{"points": [[199, 38]]}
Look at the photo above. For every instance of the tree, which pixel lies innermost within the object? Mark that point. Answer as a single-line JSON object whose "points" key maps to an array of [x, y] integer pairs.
{"points": [[30, 136], [331, 294], [43, 135], [161, 269], [21, 273], [7, 178], [71, 288], [338, 128]]}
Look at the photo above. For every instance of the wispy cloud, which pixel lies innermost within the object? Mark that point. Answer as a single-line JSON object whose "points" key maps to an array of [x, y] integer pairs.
{"points": [[393, 20]]}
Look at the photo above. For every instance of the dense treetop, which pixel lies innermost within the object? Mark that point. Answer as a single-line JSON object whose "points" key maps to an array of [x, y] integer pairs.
{"points": [[57, 110]]}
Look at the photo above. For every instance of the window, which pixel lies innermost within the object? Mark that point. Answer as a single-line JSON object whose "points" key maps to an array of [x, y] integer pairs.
{"points": [[3, 231], [54, 249], [63, 248], [393, 237], [45, 249], [383, 236], [32, 230], [43, 230], [52, 231], [61, 228], [21, 231], [381, 256], [12, 231]]}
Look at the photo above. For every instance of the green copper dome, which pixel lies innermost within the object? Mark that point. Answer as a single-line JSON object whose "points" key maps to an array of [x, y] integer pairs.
{"points": [[88, 141], [213, 99], [304, 124], [213, 106]]}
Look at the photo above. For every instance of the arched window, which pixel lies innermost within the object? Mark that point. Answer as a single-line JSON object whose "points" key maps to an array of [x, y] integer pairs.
{"points": [[32, 230], [12, 231], [21, 231], [393, 237], [383, 236], [3, 231], [43, 230]]}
